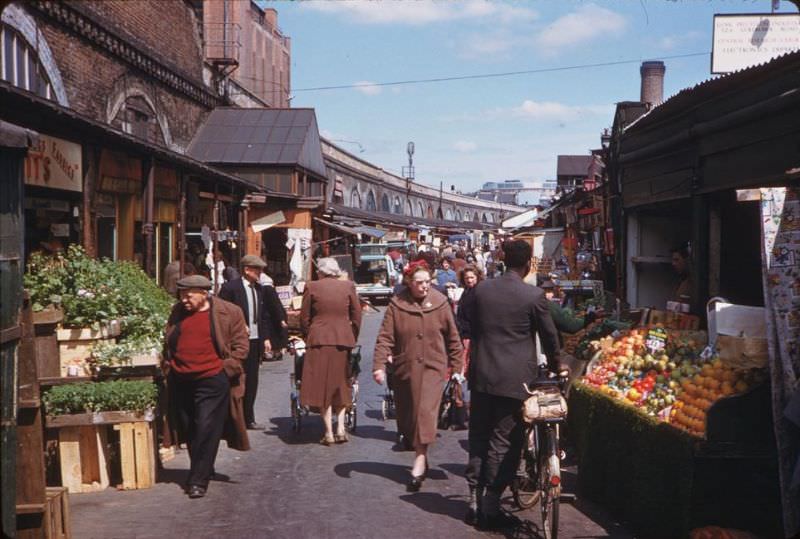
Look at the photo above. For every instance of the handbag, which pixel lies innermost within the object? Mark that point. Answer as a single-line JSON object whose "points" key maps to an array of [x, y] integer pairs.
{"points": [[543, 404]]}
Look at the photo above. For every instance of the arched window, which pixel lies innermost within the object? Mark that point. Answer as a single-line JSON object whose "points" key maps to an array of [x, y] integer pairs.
{"points": [[385, 203], [21, 66], [409, 208], [420, 210], [476, 217], [398, 206], [484, 219], [355, 199], [137, 117], [466, 216], [429, 212], [448, 214], [371, 204], [458, 215]]}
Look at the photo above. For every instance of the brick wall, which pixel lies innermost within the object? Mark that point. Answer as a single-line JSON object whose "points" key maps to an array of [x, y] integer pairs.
{"points": [[94, 79]]}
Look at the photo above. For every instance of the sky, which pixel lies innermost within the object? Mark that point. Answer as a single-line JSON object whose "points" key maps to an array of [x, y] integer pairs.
{"points": [[467, 132]]}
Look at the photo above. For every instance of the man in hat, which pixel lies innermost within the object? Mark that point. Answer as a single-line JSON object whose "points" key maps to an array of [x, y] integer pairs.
{"points": [[248, 294], [205, 345]]}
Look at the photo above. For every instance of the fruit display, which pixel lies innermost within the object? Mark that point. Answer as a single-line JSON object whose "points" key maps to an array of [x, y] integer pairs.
{"points": [[666, 374]]}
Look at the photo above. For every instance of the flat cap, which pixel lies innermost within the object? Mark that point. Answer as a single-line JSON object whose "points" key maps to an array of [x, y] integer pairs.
{"points": [[253, 261], [194, 281]]}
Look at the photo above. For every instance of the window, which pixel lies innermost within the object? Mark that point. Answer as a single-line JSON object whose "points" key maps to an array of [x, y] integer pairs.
{"points": [[409, 208], [398, 206], [429, 212], [138, 118], [385, 203], [458, 215], [448, 214], [371, 204], [466, 216], [420, 210], [355, 199], [20, 64]]}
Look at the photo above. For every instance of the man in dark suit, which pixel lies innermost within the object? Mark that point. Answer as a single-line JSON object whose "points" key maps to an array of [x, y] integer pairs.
{"points": [[247, 293], [505, 317]]}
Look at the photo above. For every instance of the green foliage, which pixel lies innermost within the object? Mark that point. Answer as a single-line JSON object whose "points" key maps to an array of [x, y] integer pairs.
{"points": [[117, 395], [639, 468], [109, 354], [92, 291]]}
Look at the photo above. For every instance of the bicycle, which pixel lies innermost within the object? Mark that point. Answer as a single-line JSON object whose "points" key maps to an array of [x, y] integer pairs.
{"points": [[538, 478]]}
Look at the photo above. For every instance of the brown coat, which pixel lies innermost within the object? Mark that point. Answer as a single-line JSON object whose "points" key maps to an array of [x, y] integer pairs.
{"points": [[229, 334], [423, 342], [331, 313]]}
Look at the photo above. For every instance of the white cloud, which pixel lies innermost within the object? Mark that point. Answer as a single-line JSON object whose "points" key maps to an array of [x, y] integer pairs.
{"points": [[465, 146], [669, 43], [483, 46], [367, 87], [420, 12], [587, 23], [559, 111]]}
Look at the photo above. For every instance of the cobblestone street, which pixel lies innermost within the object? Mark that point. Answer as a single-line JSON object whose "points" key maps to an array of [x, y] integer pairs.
{"points": [[290, 486]]}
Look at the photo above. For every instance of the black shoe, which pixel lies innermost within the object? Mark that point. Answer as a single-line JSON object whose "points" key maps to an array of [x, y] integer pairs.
{"points": [[255, 426], [196, 491], [500, 521], [415, 483]]}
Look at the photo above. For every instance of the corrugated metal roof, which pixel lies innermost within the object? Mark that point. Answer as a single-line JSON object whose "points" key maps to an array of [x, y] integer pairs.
{"points": [[268, 137], [714, 86]]}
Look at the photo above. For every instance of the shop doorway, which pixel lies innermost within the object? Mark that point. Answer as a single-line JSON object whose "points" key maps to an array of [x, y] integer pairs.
{"points": [[275, 254], [739, 251]]}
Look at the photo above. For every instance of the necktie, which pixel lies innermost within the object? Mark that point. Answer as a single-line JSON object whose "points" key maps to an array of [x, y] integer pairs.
{"points": [[255, 305]]}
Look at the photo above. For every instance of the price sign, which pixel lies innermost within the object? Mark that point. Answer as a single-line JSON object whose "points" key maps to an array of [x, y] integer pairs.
{"points": [[656, 340]]}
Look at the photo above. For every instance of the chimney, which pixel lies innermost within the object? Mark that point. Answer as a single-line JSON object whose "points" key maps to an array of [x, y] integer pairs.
{"points": [[652, 82]]}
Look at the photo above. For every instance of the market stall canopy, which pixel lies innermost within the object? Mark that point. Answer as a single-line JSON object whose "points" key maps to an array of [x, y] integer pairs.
{"points": [[255, 136], [407, 221], [354, 230], [371, 231], [14, 136], [526, 218]]}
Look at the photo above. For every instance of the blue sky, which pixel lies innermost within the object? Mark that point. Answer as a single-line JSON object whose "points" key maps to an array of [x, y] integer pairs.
{"points": [[470, 131]]}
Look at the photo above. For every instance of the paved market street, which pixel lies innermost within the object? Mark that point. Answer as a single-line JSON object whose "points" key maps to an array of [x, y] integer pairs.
{"points": [[290, 486]]}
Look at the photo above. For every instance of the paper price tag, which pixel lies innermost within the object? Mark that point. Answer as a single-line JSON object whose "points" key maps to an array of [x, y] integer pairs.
{"points": [[656, 340]]}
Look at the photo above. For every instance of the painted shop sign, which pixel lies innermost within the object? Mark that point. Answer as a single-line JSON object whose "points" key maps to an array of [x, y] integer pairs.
{"points": [[55, 163]]}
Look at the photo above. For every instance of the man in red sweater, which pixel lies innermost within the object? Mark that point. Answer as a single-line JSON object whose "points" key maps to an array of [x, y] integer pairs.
{"points": [[206, 343]]}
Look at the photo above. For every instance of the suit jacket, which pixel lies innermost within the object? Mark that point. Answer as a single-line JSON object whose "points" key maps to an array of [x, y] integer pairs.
{"points": [[504, 318], [331, 313], [234, 292], [279, 334]]}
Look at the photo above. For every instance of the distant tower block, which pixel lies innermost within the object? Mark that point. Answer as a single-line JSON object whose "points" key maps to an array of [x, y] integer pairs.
{"points": [[652, 82]]}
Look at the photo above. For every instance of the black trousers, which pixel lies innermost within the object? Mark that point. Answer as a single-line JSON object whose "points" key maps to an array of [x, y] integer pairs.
{"points": [[496, 434], [251, 366], [202, 408]]}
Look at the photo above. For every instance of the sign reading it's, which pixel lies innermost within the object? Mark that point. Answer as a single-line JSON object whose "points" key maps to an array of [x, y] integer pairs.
{"points": [[55, 163], [742, 41]]}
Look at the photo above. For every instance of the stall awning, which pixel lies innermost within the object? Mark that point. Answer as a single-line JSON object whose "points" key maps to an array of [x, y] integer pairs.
{"points": [[371, 231], [337, 226]]}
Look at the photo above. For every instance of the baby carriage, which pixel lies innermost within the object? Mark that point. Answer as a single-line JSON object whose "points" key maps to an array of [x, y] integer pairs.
{"points": [[297, 349], [387, 406]]}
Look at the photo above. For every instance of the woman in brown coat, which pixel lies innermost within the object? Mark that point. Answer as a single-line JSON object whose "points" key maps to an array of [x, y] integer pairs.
{"points": [[419, 337], [330, 319]]}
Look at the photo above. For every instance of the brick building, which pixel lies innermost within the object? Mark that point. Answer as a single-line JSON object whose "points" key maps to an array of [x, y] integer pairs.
{"points": [[121, 92], [244, 33]]}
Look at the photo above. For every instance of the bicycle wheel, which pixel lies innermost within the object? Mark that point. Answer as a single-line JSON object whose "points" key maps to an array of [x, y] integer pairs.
{"points": [[550, 485], [525, 486], [295, 413]]}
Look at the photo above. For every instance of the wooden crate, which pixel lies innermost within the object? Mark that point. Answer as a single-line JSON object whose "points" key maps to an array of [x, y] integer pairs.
{"points": [[83, 456], [137, 454], [75, 346], [56, 517]]}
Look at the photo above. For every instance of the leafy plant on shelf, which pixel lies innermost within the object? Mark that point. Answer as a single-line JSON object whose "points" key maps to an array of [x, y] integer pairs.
{"points": [[106, 354], [92, 292], [116, 395]]}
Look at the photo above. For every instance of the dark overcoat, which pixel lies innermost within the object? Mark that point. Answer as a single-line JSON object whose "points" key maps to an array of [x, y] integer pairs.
{"points": [[504, 318], [423, 341], [229, 335]]}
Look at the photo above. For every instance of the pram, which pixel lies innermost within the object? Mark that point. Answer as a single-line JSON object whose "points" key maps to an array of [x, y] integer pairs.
{"points": [[297, 349], [387, 406]]}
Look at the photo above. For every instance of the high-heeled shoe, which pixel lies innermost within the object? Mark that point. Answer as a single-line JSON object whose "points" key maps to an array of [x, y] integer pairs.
{"points": [[415, 483]]}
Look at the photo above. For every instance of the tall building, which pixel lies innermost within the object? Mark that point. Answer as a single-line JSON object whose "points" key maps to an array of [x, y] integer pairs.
{"points": [[244, 42], [517, 192]]}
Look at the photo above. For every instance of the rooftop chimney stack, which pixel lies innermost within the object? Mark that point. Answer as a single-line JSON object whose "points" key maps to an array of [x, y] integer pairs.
{"points": [[652, 82]]}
